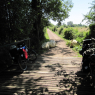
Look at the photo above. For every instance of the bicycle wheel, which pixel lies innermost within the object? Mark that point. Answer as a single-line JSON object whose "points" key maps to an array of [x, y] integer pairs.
{"points": [[22, 63], [32, 55]]}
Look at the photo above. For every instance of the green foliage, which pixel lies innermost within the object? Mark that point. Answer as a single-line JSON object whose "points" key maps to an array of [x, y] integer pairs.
{"points": [[70, 23], [64, 25], [55, 29], [92, 31], [68, 43], [79, 39], [74, 33], [27, 18], [62, 9], [52, 29], [77, 48], [69, 34], [50, 25], [60, 30], [90, 17], [81, 34], [46, 37]]}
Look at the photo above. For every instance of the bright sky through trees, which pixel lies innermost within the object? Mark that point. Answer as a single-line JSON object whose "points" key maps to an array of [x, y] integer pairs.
{"points": [[80, 8]]}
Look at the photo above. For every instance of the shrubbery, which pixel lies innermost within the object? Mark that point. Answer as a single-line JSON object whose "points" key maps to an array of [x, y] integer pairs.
{"points": [[55, 29], [68, 43], [60, 30], [69, 34], [92, 31]]}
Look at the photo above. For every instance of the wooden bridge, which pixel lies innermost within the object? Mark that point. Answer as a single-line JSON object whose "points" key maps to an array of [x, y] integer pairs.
{"points": [[47, 76]]}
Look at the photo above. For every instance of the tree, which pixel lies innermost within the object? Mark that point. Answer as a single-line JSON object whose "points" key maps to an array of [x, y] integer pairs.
{"points": [[14, 20], [59, 24], [20, 19], [90, 17], [57, 10], [70, 23]]}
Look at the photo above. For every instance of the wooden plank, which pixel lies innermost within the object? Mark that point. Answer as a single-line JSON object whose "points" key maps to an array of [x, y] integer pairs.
{"points": [[62, 78]]}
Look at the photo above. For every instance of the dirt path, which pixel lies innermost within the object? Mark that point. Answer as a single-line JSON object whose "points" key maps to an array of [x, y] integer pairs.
{"points": [[56, 72], [61, 50]]}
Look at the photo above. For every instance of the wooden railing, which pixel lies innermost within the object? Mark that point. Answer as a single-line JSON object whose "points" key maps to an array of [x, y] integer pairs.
{"points": [[7, 45]]}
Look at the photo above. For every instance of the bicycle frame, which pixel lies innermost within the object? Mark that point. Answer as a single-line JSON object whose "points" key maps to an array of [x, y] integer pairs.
{"points": [[19, 55]]}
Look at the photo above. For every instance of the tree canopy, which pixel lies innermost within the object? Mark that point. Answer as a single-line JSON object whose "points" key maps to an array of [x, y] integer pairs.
{"points": [[90, 16], [27, 18], [70, 23]]}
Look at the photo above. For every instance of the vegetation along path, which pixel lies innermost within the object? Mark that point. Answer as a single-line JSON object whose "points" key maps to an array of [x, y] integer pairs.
{"points": [[61, 50], [56, 72]]}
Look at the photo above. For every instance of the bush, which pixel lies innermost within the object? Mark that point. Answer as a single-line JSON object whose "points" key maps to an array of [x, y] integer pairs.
{"points": [[87, 35], [77, 48], [91, 32], [68, 43], [52, 28], [69, 34], [60, 30], [79, 39], [80, 34], [55, 29]]}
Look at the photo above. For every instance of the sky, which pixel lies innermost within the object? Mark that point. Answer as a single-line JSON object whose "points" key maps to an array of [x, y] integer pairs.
{"points": [[80, 8]]}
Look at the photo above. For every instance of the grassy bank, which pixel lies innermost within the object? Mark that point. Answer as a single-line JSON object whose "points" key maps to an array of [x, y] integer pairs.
{"points": [[46, 35]]}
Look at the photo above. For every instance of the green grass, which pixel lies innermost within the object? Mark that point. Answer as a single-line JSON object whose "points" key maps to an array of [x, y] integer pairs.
{"points": [[46, 35]]}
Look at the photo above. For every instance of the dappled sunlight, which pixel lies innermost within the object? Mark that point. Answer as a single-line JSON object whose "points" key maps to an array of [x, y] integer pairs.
{"points": [[47, 76], [56, 72], [44, 76]]}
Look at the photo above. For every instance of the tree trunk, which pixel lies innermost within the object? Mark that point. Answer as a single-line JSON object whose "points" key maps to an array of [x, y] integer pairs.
{"points": [[37, 21]]}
